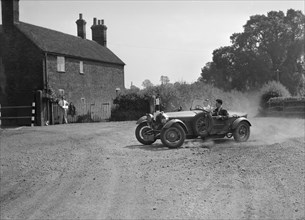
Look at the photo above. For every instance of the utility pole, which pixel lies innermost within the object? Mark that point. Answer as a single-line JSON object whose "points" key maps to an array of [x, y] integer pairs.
{"points": [[277, 75]]}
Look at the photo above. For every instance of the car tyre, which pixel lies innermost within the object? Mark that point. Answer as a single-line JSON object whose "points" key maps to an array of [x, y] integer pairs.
{"points": [[202, 124], [173, 137], [140, 134], [242, 132]]}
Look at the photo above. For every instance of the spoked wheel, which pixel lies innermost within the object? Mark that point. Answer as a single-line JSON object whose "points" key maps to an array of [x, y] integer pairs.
{"points": [[202, 124], [144, 134], [242, 132], [173, 137]]}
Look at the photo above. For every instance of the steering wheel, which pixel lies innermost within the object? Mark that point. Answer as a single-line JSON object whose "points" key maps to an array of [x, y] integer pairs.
{"points": [[198, 107]]}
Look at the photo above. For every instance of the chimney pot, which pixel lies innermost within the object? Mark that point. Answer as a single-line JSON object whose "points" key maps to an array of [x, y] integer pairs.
{"points": [[94, 21], [10, 13], [99, 33], [81, 27]]}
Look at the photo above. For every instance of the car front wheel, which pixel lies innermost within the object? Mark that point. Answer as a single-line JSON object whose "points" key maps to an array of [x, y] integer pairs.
{"points": [[242, 132], [202, 124], [173, 137], [144, 134]]}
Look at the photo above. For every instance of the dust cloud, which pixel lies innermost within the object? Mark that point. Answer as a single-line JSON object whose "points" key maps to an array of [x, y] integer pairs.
{"points": [[270, 130], [264, 131]]}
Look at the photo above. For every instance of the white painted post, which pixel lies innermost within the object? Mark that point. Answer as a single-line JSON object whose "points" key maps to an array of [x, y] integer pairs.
{"points": [[33, 115]]}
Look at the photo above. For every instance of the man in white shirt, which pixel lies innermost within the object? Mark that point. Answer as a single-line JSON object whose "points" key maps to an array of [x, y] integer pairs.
{"points": [[64, 107]]}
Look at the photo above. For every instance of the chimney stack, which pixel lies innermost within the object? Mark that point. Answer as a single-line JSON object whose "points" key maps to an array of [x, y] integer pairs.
{"points": [[10, 13], [81, 27], [99, 32]]}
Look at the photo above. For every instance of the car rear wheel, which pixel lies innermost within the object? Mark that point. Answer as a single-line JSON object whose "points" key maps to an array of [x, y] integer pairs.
{"points": [[173, 137], [144, 134], [202, 124], [242, 132]]}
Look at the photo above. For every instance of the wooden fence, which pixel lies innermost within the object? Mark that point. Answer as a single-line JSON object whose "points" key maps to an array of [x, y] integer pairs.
{"points": [[286, 107], [12, 109]]}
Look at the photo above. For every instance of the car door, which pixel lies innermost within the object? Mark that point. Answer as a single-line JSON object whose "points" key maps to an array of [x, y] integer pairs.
{"points": [[220, 126]]}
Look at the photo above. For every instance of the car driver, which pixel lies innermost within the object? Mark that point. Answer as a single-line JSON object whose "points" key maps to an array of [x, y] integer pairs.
{"points": [[219, 112]]}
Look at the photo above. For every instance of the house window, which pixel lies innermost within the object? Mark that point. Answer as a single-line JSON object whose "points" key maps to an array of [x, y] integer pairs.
{"points": [[61, 92], [60, 64], [81, 67], [117, 91]]}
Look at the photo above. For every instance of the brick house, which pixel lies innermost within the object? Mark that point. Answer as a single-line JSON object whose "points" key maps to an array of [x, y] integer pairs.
{"points": [[35, 59]]}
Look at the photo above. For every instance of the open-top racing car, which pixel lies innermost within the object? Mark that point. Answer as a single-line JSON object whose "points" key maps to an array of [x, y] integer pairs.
{"points": [[174, 127]]}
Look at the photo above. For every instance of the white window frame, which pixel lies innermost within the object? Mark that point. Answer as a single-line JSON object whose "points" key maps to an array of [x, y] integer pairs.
{"points": [[61, 92], [81, 67], [61, 67]]}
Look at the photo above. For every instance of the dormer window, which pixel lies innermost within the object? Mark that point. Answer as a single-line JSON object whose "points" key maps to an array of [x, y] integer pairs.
{"points": [[60, 64], [81, 67]]}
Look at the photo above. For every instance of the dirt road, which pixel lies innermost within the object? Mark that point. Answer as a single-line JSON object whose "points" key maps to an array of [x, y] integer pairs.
{"points": [[100, 171]]}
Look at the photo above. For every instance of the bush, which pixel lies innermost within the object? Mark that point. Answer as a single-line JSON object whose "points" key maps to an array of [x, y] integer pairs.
{"points": [[130, 106], [128, 115], [301, 87], [84, 119], [270, 90]]}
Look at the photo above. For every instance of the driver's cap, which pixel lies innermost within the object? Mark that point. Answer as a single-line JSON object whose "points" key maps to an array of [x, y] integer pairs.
{"points": [[219, 101]]}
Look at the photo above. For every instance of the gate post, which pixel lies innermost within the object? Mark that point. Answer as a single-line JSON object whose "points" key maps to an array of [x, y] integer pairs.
{"points": [[39, 108], [33, 115], [0, 116]]}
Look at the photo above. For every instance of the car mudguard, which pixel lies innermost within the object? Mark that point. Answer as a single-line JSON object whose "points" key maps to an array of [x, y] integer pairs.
{"points": [[176, 121], [238, 120], [142, 119]]}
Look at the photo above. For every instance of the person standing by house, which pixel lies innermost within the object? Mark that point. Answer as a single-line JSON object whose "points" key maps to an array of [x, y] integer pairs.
{"points": [[158, 103], [71, 111], [64, 105]]}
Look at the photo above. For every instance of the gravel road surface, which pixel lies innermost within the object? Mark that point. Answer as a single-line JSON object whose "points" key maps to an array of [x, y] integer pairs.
{"points": [[100, 171]]}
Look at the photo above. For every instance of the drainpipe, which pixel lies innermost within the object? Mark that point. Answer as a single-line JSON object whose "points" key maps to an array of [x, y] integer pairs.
{"points": [[46, 71], [49, 107]]}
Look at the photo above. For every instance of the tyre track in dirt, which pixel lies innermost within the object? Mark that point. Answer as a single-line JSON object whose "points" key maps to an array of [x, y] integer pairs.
{"points": [[122, 193]]}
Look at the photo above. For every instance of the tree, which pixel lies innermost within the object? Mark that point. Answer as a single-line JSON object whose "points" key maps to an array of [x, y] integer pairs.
{"points": [[164, 80], [270, 48], [134, 88], [213, 75], [147, 83]]}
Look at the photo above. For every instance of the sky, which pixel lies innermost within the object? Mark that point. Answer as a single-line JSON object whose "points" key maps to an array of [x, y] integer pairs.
{"points": [[155, 38]]}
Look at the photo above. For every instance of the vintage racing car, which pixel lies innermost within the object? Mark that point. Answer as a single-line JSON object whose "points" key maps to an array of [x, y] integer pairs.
{"points": [[174, 127]]}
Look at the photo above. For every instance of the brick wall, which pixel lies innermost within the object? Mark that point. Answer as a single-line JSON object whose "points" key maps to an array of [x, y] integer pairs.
{"points": [[97, 84], [22, 68], [21, 75]]}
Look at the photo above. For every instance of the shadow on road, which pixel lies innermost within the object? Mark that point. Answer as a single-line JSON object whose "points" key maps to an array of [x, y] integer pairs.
{"points": [[153, 147], [189, 143]]}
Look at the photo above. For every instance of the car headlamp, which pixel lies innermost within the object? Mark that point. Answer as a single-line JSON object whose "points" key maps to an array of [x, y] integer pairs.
{"points": [[149, 117], [164, 118]]}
